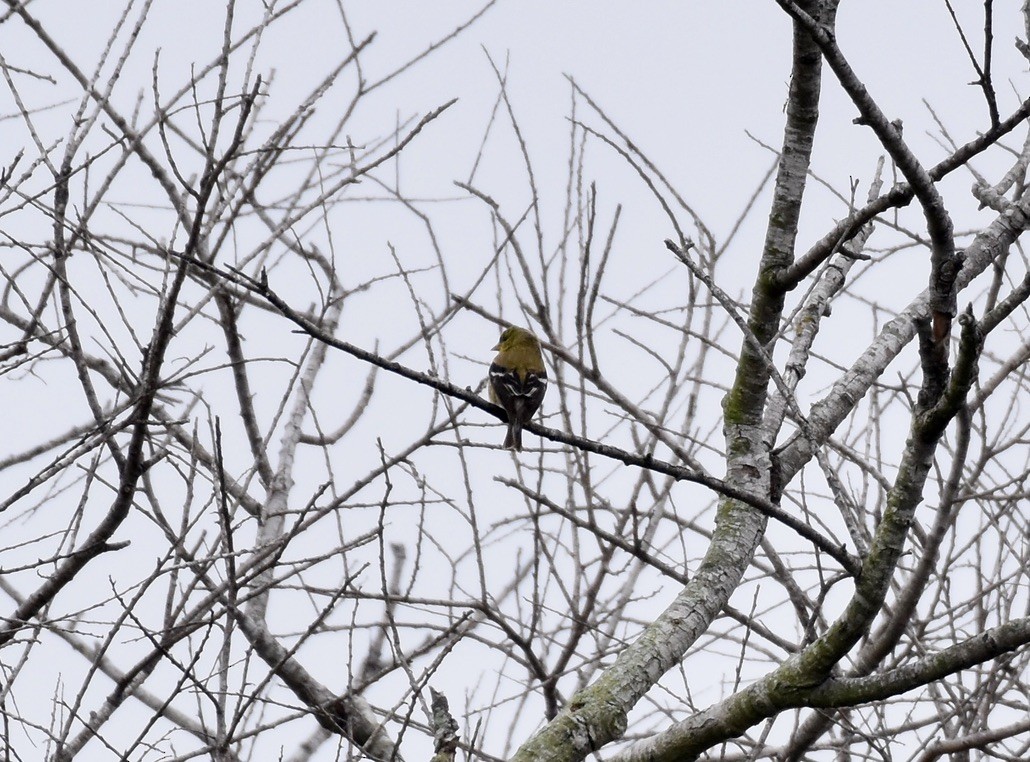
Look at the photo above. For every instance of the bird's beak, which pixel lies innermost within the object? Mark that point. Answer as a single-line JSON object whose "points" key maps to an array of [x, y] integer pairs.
{"points": [[497, 348]]}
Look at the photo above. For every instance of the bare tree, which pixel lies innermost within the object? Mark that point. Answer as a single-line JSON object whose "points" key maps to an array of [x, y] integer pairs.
{"points": [[252, 509]]}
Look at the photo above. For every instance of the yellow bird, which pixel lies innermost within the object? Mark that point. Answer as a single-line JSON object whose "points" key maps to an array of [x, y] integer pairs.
{"points": [[517, 381]]}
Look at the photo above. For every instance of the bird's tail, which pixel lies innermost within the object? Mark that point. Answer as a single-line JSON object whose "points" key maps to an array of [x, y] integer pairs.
{"points": [[513, 439]]}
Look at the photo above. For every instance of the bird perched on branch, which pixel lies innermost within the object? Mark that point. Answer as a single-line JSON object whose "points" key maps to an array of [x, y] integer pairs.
{"points": [[517, 381]]}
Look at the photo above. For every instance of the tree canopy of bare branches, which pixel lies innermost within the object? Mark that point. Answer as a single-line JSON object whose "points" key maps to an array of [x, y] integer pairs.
{"points": [[253, 497]]}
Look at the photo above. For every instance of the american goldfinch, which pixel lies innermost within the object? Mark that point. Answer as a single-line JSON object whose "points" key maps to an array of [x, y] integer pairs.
{"points": [[517, 381]]}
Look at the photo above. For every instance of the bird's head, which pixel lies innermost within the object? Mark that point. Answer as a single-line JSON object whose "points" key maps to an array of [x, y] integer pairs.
{"points": [[514, 337]]}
